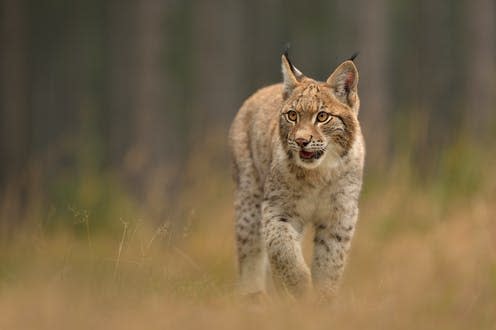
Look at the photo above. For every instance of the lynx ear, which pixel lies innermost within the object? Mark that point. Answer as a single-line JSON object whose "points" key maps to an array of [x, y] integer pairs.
{"points": [[291, 75], [344, 84]]}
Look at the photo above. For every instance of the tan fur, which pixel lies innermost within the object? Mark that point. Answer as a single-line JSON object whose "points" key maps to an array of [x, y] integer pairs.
{"points": [[292, 173]]}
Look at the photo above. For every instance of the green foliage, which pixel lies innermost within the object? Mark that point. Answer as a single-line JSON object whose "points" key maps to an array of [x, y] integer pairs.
{"points": [[460, 173], [94, 200]]}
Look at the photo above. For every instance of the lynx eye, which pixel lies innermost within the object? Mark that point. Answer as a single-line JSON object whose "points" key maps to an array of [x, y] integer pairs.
{"points": [[322, 116], [292, 115]]}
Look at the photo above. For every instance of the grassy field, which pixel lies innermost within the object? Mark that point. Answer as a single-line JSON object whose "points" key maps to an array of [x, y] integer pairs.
{"points": [[424, 257]]}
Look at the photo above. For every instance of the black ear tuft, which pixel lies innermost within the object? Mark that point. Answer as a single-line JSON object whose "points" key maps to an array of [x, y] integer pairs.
{"points": [[286, 54], [352, 57], [286, 49]]}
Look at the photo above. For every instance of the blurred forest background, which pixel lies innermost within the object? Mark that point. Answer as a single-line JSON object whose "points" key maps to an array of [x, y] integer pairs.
{"points": [[114, 117]]}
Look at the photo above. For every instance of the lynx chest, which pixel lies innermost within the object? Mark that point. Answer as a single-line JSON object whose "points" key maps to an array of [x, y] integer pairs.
{"points": [[314, 204]]}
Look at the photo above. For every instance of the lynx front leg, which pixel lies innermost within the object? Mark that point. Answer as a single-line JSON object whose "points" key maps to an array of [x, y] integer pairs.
{"points": [[331, 244], [283, 236]]}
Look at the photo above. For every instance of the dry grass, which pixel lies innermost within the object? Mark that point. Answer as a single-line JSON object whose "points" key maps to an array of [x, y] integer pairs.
{"points": [[419, 261]]}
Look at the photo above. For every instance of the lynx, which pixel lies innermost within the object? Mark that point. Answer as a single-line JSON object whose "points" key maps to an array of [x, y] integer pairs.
{"points": [[298, 156]]}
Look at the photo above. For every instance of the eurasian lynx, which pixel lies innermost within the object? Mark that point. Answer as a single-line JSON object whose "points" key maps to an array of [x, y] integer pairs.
{"points": [[298, 158]]}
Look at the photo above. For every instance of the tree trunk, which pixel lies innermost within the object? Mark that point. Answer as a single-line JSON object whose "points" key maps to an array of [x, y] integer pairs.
{"points": [[217, 62], [119, 80], [14, 117], [481, 67], [374, 82]]}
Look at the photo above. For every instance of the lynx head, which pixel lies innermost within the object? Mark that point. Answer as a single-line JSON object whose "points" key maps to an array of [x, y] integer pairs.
{"points": [[318, 119]]}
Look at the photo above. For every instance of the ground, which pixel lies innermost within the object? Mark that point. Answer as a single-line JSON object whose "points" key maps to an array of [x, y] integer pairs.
{"points": [[423, 257]]}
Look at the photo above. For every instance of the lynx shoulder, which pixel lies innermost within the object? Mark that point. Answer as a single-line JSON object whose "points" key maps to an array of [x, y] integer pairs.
{"points": [[298, 156]]}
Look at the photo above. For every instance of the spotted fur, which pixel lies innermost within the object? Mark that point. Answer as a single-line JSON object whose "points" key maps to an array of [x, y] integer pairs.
{"points": [[293, 173]]}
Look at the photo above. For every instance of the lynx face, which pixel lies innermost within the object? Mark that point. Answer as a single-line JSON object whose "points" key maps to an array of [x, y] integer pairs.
{"points": [[318, 120]]}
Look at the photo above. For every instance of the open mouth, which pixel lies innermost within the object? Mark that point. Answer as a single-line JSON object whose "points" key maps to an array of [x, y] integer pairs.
{"points": [[310, 155]]}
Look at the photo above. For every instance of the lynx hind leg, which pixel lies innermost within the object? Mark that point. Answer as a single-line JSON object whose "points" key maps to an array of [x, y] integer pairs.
{"points": [[250, 247]]}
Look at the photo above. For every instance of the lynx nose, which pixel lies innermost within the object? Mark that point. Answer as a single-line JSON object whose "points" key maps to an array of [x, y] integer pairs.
{"points": [[302, 142]]}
